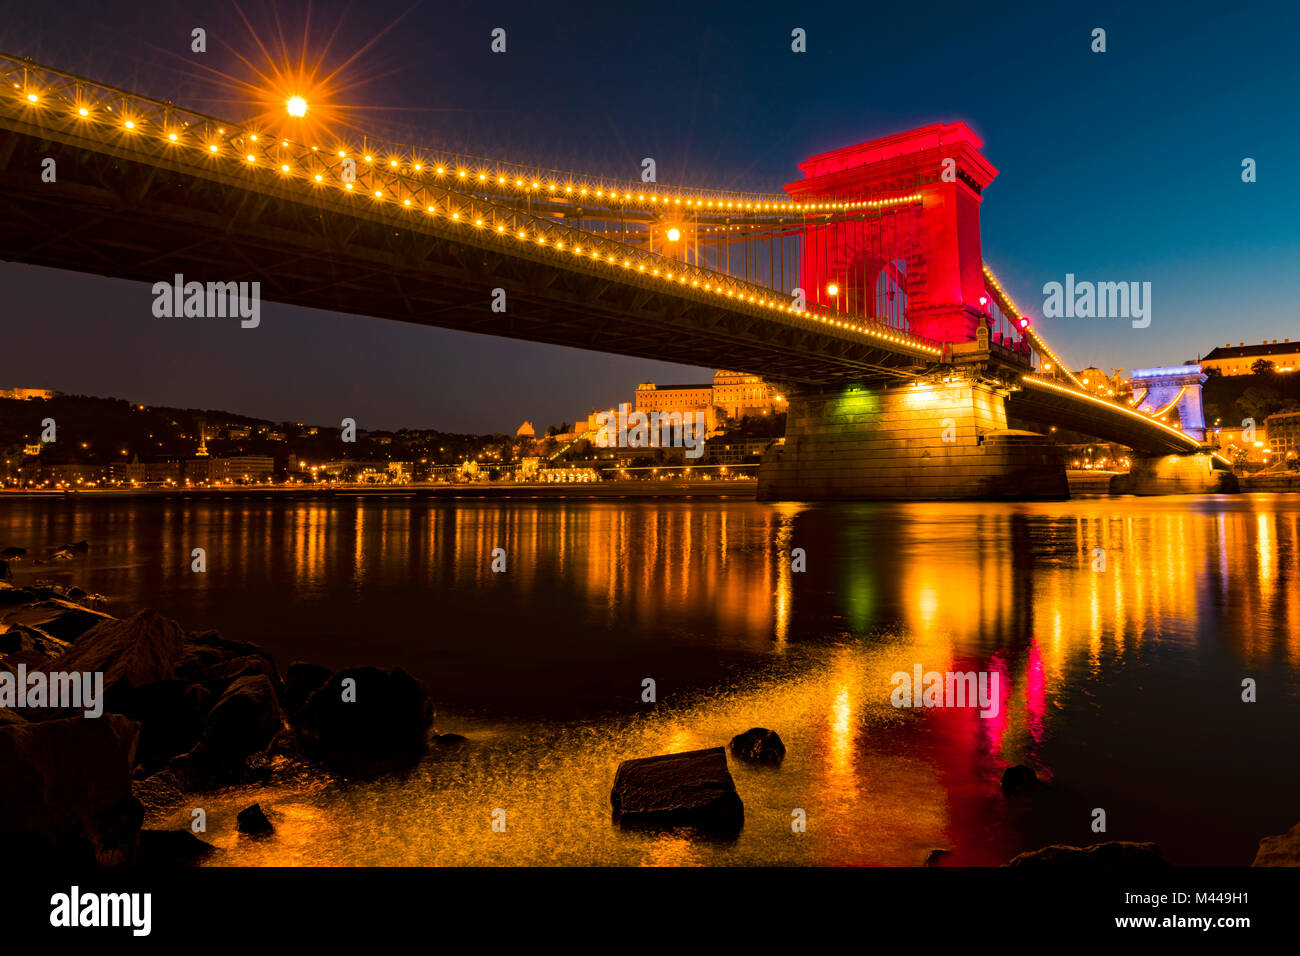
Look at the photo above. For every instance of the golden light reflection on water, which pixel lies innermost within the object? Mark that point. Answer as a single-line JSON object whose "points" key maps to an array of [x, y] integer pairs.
{"points": [[553, 783], [1199, 589]]}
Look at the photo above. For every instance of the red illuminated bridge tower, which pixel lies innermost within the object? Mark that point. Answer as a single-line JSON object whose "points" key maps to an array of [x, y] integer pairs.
{"points": [[917, 254], [900, 241]]}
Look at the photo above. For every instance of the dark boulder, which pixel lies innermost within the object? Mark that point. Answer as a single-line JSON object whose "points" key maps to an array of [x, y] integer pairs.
{"points": [[240, 724], [131, 653], [449, 740], [1281, 850], [215, 662], [36, 647], [253, 821], [1114, 855], [1018, 779], [67, 789], [168, 848], [221, 675], [171, 714], [59, 618], [363, 719], [13, 554], [758, 745], [11, 641], [300, 682], [21, 645], [691, 789], [207, 649]]}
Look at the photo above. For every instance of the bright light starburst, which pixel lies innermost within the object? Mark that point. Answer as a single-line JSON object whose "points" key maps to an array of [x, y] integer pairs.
{"points": [[293, 90]]}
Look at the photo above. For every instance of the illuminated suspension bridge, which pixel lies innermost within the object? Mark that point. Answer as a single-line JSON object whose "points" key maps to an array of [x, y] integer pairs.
{"points": [[866, 275]]}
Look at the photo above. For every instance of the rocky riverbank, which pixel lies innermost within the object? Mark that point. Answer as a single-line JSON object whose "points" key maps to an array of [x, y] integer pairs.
{"points": [[187, 712], [182, 712]]}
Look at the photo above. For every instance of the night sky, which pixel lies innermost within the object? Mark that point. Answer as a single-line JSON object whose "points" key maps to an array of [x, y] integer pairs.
{"points": [[1117, 166]]}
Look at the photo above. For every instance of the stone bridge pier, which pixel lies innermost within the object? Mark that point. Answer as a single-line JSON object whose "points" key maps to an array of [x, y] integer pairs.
{"points": [[943, 438], [1175, 475]]}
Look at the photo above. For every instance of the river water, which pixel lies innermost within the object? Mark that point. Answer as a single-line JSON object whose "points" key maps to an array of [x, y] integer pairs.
{"points": [[1122, 687]]}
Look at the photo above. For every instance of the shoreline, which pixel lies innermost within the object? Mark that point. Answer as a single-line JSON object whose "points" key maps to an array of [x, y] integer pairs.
{"points": [[1082, 485], [737, 488]]}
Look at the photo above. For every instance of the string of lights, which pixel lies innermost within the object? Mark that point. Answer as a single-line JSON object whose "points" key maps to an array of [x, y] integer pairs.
{"points": [[39, 83], [198, 142]]}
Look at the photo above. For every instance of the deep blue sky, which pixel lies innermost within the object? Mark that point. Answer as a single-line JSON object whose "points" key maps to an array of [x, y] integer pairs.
{"points": [[1117, 166]]}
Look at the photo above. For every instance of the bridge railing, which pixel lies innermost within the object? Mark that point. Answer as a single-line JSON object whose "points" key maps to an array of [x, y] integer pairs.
{"points": [[127, 124], [506, 178], [509, 222]]}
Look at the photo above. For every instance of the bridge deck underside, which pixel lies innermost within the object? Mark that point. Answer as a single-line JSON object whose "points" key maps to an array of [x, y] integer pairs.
{"points": [[1044, 407], [121, 217]]}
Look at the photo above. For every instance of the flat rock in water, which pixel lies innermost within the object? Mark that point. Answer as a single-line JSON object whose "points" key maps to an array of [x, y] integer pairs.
{"points": [[692, 789], [1281, 850], [1114, 855]]}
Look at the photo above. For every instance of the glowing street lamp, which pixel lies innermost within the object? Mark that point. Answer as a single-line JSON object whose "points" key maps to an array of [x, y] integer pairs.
{"points": [[674, 234], [833, 291], [297, 106]]}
